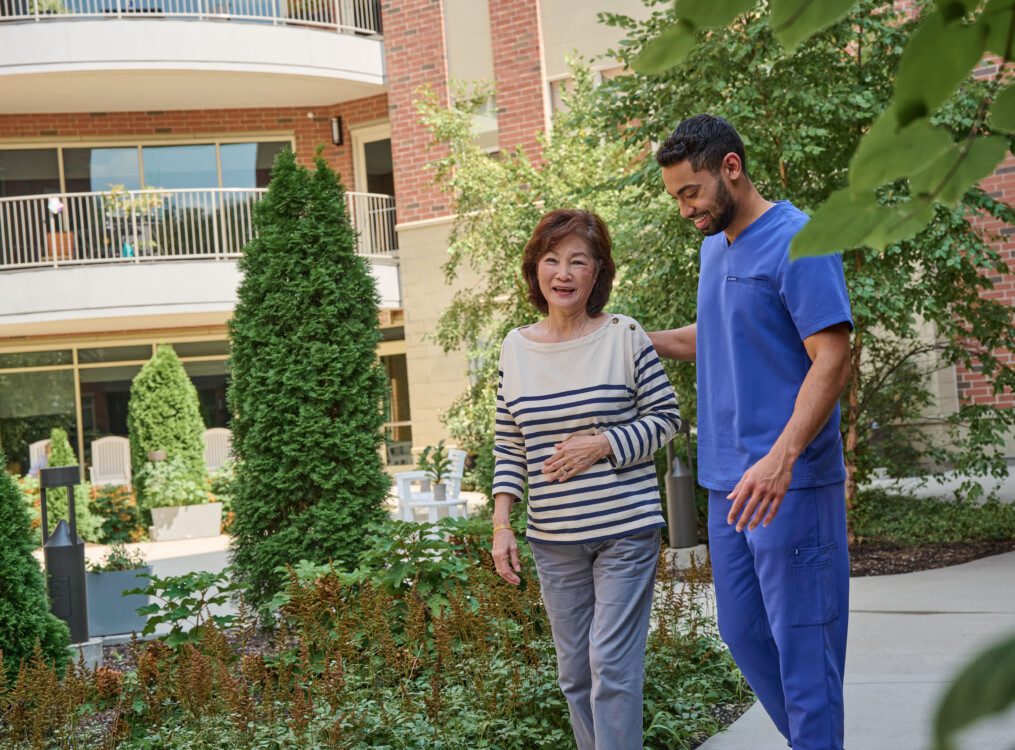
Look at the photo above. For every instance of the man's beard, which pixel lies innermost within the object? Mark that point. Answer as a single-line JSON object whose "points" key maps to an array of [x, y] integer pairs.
{"points": [[722, 213]]}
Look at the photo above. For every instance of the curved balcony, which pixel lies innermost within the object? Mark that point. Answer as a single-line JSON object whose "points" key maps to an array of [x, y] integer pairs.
{"points": [[78, 260], [90, 55]]}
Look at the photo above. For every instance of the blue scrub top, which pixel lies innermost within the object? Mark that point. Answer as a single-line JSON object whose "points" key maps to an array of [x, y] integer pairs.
{"points": [[755, 307]]}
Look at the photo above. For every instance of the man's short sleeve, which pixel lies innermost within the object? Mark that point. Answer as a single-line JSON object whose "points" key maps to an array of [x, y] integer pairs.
{"points": [[814, 291]]}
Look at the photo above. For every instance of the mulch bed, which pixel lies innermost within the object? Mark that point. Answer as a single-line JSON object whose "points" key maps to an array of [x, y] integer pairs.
{"points": [[871, 558]]}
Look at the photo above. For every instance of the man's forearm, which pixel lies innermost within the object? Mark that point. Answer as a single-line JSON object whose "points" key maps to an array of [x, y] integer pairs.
{"points": [[814, 405], [677, 343]]}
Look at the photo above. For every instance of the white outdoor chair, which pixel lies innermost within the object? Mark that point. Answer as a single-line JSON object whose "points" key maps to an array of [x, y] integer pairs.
{"points": [[409, 499], [110, 461], [218, 445], [37, 452]]}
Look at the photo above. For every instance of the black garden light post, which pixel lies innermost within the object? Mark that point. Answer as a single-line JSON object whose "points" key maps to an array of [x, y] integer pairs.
{"points": [[681, 515], [64, 552]]}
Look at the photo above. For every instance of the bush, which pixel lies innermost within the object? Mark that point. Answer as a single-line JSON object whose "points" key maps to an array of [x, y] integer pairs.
{"points": [[901, 519], [25, 619], [164, 413], [171, 483], [359, 664], [307, 390], [121, 517], [118, 559]]}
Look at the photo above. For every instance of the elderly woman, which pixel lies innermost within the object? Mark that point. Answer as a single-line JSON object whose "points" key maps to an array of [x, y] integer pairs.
{"points": [[582, 405]]}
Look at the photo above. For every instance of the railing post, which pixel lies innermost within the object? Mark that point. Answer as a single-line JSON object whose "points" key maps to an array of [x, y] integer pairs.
{"points": [[36, 3], [119, 9], [215, 223], [338, 15]]}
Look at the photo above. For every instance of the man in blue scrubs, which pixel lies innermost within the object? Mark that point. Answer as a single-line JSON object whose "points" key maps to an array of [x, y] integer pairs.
{"points": [[771, 344]]}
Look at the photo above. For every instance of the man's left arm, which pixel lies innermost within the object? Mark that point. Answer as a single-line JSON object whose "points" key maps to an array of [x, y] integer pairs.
{"points": [[760, 491]]}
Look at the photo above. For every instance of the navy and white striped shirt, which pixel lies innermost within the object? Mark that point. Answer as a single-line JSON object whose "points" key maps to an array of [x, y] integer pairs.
{"points": [[610, 381]]}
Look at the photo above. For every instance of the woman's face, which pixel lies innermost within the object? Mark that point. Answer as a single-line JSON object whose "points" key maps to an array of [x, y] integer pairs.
{"points": [[566, 275]]}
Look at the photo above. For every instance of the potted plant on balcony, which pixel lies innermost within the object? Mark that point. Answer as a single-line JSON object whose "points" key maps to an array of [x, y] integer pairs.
{"points": [[133, 218], [436, 463], [178, 502], [50, 7], [111, 611]]}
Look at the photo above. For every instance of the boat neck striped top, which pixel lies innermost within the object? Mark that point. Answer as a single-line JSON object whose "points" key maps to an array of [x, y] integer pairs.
{"points": [[609, 380]]}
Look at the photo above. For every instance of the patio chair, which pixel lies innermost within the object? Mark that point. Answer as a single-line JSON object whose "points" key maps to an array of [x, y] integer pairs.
{"points": [[110, 461], [218, 444], [410, 500], [37, 454]]}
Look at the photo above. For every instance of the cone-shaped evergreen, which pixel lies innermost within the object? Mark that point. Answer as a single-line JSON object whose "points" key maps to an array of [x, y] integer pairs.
{"points": [[164, 413], [307, 390], [89, 527], [24, 604]]}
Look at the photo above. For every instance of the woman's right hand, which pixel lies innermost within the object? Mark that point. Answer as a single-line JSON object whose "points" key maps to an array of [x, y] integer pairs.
{"points": [[505, 556]]}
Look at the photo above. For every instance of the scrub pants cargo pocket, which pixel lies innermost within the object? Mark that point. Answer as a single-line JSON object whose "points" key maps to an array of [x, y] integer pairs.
{"points": [[812, 584]]}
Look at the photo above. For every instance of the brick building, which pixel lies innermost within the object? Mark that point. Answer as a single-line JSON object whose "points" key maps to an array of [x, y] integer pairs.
{"points": [[136, 134]]}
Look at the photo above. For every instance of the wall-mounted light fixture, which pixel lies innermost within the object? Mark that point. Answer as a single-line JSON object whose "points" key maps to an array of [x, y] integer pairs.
{"points": [[336, 131]]}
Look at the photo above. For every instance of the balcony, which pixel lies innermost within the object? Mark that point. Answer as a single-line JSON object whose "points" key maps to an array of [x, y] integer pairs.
{"points": [[83, 258], [135, 55]]}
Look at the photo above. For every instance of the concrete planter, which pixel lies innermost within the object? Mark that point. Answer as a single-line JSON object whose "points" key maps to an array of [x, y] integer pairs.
{"points": [[186, 522], [109, 611]]}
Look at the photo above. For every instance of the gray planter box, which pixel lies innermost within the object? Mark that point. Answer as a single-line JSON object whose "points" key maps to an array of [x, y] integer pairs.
{"points": [[109, 611], [186, 522]]}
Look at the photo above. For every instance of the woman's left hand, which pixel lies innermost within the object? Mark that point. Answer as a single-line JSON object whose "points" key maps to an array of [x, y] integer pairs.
{"points": [[575, 455]]}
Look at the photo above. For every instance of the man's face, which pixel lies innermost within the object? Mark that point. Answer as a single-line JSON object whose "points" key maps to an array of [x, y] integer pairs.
{"points": [[704, 198]]}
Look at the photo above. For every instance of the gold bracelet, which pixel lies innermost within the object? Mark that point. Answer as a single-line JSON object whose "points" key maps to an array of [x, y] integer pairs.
{"points": [[501, 527]]}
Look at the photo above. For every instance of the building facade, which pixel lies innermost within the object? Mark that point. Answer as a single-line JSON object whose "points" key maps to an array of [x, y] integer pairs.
{"points": [[135, 135]]}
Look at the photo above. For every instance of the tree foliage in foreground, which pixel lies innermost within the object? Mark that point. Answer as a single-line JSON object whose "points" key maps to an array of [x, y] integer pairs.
{"points": [[907, 142], [307, 391]]}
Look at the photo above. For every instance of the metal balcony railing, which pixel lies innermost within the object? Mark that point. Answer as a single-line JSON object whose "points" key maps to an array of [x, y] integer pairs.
{"points": [[132, 226], [347, 16]]}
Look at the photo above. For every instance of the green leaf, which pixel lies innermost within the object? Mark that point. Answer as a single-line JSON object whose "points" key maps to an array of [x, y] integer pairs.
{"points": [[950, 175], [794, 21], [984, 687], [712, 14], [1002, 111], [666, 50], [841, 222], [899, 223], [937, 59], [889, 153], [999, 16]]}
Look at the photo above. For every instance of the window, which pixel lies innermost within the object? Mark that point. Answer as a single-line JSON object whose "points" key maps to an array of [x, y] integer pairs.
{"points": [[180, 166], [248, 164], [89, 170], [29, 171]]}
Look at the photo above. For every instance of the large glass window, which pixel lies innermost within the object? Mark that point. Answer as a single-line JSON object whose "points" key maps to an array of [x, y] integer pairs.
{"points": [[29, 171], [31, 405], [180, 166], [248, 164], [397, 429], [96, 169], [211, 379], [105, 392]]}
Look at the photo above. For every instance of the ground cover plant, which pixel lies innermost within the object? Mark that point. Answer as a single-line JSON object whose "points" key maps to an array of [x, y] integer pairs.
{"points": [[880, 516], [421, 646]]}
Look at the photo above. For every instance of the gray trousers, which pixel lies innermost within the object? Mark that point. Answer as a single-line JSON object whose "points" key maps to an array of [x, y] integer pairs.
{"points": [[598, 597]]}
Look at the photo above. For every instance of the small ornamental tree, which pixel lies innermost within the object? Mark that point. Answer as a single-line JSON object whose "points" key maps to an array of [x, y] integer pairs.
{"points": [[25, 618], [164, 414], [88, 525], [307, 391]]}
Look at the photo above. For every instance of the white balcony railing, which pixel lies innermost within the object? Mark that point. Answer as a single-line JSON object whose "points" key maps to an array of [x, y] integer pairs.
{"points": [[145, 225], [348, 16]]}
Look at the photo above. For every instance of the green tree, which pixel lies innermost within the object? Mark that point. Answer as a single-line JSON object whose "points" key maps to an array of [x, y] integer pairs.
{"points": [[907, 141], [25, 618], [917, 303], [307, 390], [164, 413], [89, 526]]}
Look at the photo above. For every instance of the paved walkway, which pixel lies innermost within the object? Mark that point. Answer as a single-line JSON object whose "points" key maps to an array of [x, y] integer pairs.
{"points": [[909, 634]]}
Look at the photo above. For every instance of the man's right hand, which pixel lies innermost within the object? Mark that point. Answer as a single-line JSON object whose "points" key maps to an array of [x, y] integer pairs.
{"points": [[676, 343]]}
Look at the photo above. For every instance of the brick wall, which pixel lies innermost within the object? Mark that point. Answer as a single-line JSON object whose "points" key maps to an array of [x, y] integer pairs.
{"points": [[517, 39], [416, 55], [308, 133]]}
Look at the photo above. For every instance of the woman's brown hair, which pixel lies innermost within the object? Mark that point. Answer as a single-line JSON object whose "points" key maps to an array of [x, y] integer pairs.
{"points": [[553, 228]]}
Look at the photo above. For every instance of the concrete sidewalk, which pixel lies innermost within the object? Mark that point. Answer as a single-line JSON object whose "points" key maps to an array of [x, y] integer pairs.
{"points": [[908, 635]]}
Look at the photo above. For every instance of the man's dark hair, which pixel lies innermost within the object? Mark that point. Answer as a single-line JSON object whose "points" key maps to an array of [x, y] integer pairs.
{"points": [[704, 140]]}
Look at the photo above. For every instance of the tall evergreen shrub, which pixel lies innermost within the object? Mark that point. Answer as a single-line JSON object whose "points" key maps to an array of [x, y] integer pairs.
{"points": [[89, 526], [164, 413], [24, 604], [307, 390]]}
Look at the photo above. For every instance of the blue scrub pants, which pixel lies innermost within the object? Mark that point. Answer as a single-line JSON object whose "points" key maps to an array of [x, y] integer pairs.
{"points": [[782, 595]]}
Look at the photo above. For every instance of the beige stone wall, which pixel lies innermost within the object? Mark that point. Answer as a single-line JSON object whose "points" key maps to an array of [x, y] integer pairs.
{"points": [[571, 25], [435, 379]]}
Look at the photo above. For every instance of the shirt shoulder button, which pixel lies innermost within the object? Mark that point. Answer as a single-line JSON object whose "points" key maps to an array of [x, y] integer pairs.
{"points": [[631, 325], [616, 320]]}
